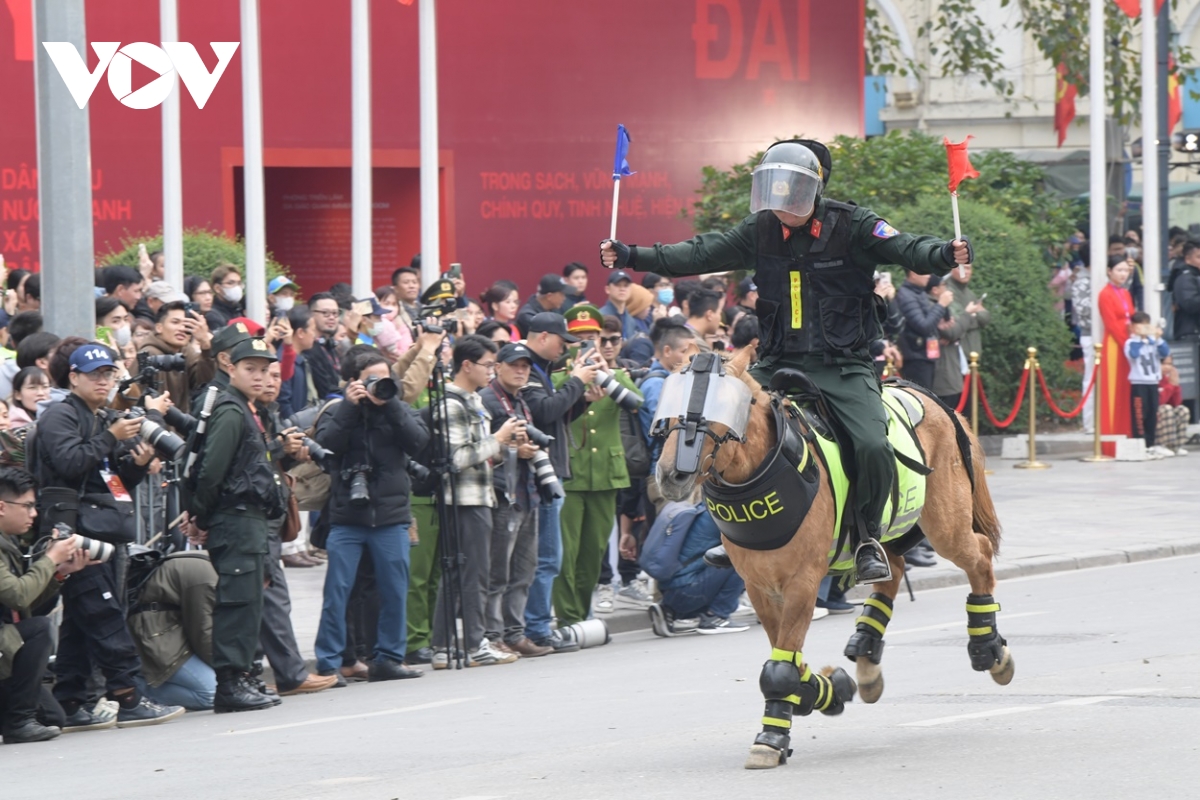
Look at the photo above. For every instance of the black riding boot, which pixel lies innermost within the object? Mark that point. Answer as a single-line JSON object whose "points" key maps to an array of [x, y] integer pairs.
{"points": [[870, 562], [236, 693]]}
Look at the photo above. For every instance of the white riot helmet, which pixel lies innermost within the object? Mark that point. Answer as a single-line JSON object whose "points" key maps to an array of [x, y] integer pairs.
{"points": [[789, 178]]}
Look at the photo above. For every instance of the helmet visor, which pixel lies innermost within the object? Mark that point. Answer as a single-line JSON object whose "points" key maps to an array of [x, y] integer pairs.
{"points": [[784, 187], [726, 402]]}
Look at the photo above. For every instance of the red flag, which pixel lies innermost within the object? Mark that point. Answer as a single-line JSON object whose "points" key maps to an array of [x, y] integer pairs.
{"points": [[1174, 95], [1064, 104], [960, 162], [1133, 8]]}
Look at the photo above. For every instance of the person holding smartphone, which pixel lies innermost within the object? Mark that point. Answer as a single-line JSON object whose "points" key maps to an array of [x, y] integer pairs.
{"points": [[178, 331]]}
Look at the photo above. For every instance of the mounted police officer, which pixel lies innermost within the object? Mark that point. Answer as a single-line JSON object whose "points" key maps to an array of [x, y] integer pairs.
{"points": [[813, 261], [237, 492]]}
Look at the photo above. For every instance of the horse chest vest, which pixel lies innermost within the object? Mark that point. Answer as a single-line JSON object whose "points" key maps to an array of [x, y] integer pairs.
{"points": [[765, 512], [820, 303]]}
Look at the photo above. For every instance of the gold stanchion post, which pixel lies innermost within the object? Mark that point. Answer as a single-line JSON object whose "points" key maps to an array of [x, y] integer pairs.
{"points": [[1096, 456], [889, 368], [1032, 365], [974, 369]]}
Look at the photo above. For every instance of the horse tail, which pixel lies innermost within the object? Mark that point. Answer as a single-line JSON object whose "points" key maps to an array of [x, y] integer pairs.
{"points": [[983, 510]]}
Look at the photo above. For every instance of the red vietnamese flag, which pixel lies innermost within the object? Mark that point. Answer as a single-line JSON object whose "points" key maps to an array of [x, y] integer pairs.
{"points": [[1064, 103], [1174, 95], [960, 163], [1133, 8]]}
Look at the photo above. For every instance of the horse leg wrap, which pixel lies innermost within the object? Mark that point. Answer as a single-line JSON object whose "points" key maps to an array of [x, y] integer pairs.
{"points": [[779, 682], [867, 639], [986, 645]]}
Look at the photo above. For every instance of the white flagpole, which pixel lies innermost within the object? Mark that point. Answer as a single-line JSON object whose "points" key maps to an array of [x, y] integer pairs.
{"points": [[612, 233], [962, 272], [172, 177], [1151, 213], [252, 169], [1098, 199], [360, 158], [431, 256]]}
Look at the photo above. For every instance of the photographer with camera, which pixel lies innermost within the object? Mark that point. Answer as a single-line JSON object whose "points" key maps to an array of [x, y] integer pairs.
{"points": [[514, 521], [371, 435], [87, 461], [179, 332], [26, 641], [237, 492], [472, 447], [553, 408]]}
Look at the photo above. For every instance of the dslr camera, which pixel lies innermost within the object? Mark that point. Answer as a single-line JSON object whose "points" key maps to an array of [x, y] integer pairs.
{"points": [[549, 486], [382, 388], [443, 312], [96, 550], [360, 493], [304, 420], [167, 444]]}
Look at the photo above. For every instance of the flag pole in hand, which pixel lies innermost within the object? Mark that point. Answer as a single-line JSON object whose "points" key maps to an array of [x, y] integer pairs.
{"points": [[960, 169], [620, 169]]}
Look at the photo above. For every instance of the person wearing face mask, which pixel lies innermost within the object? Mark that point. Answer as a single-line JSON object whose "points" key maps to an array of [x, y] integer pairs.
{"points": [[227, 303], [179, 331], [373, 328], [281, 296], [111, 313], [664, 295]]}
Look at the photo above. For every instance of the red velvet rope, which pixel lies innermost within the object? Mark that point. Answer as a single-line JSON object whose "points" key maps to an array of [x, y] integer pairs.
{"points": [[962, 399], [1082, 401], [987, 409]]}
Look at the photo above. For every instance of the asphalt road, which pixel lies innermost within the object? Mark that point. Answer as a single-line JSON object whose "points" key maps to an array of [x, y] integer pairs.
{"points": [[1105, 703]]}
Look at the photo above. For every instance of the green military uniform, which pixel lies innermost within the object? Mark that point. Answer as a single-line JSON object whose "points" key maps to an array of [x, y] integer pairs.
{"points": [[424, 566], [598, 471], [237, 491], [817, 281]]}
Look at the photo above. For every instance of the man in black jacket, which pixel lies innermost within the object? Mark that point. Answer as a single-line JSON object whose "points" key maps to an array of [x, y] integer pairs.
{"points": [[552, 409], [75, 449], [371, 435], [551, 294], [324, 360], [1186, 294], [922, 316]]}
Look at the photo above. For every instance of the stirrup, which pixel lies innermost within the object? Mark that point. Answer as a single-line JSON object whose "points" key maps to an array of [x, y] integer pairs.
{"points": [[881, 555], [717, 557]]}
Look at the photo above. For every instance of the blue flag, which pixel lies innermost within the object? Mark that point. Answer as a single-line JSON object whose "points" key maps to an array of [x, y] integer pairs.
{"points": [[620, 165]]}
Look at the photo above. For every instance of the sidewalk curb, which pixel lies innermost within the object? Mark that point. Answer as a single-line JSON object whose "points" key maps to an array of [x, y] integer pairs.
{"points": [[946, 575]]}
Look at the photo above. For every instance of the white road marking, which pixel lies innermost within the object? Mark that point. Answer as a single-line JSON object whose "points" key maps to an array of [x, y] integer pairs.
{"points": [[367, 715], [1001, 618], [1000, 712]]}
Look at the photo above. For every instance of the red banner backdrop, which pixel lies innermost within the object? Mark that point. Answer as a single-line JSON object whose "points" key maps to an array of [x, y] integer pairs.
{"points": [[530, 96]]}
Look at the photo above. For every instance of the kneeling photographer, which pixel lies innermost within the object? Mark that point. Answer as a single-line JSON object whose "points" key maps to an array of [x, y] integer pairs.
{"points": [[87, 461], [370, 435], [27, 582]]}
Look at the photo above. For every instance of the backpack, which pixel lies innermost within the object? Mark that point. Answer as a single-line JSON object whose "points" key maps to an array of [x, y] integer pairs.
{"points": [[311, 484], [637, 453], [660, 553]]}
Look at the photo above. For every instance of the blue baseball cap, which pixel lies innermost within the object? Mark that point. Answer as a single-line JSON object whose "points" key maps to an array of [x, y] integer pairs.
{"points": [[279, 283], [91, 357]]}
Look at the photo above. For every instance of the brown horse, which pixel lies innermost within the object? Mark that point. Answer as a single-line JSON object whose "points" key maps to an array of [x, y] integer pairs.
{"points": [[958, 518]]}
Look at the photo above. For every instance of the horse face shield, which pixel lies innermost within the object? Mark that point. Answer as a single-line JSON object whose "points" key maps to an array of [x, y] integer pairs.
{"points": [[693, 400]]}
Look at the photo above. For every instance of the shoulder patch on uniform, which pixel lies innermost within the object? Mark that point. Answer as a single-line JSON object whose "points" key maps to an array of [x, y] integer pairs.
{"points": [[884, 231]]}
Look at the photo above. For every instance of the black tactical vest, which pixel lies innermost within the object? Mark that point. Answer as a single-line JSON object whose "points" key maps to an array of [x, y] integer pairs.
{"points": [[252, 480], [823, 303]]}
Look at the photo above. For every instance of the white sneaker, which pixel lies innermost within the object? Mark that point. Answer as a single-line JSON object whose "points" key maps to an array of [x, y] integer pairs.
{"points": [[819, 613], [602, 599], [487, 655], [635, 595], [1181, 451], [1162, 452]]}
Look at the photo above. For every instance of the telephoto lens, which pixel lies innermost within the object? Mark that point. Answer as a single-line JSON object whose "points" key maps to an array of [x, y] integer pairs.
{"points": [[166, 444], [95, 549], [589, 633], [179, 420], [360, 495], [174, 362], [621, 395], [549, 487], [382, 388], [317, 453], [536, 435]]}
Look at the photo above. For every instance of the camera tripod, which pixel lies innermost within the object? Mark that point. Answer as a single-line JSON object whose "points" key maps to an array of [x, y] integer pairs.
{"points": [[446, 501]]}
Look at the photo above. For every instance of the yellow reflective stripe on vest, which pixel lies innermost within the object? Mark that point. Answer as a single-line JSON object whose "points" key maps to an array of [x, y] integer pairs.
{"points": [[983, 609], [797, 309]]}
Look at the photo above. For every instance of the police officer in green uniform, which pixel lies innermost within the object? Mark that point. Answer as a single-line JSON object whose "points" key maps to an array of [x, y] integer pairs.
{"points": [[237, 492], [813, 261], [598, 470], [223, 341]]}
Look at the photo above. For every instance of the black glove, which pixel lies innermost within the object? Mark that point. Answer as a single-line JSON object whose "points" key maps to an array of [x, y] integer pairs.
{"points": [[624, 254], [948, 252]]}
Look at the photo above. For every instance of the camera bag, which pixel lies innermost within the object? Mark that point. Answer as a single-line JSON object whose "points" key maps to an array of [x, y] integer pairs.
{"points": [[311, 484]]}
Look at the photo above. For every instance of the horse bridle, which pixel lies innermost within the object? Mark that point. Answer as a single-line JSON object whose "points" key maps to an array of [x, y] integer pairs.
{"points": [[694, 427]]}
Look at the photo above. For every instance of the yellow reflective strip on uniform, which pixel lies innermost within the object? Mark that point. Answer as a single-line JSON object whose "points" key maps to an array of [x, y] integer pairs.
{"points": [[979, 631], [797, 309], [874, 623], [828, 686], [882, 606], [782, 655], [794, 699], [777, 722], [990, 607]]}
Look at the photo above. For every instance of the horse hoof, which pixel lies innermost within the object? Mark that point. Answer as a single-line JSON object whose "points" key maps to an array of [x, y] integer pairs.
{"points": [[1003, 672], [763, 757], [870, 681]]}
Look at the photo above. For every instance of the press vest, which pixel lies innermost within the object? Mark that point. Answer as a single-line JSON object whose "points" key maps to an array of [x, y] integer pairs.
{"points": [[251, 479], [822, 303]]}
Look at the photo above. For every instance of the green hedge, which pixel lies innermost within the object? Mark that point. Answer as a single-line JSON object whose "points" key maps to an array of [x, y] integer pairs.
{"points": [[203, 251], [1010, 269]]}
